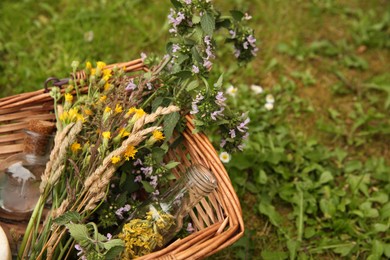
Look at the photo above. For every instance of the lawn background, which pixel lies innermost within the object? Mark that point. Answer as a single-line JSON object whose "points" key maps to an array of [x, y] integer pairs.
{"points": [[314, 181]]}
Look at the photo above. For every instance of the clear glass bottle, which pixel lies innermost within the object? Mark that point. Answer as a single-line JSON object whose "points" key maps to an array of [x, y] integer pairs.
{"points": [[156, 222], [20, 174]]}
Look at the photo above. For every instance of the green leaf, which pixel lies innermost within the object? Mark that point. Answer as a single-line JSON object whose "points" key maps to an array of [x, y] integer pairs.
{"points": [[208, 23], [327, 207], [170, 122], [171, 165], [267, 209], [67, 217], [262, 177], [273, 255], [158, 154], [176, 4], [237, 15], [386, 250], [379, 197], [192, 85], [219, 82], [325, 177], [148, 188], [378, 227], [344, 249], [377, 249], [78, 231], [352, 166], [113, 243], [195, 19], [293, 246], [113, 252]]}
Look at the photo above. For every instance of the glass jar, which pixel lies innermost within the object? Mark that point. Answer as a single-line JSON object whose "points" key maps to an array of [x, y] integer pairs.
{"points": [[156, 221], [20, 174]]}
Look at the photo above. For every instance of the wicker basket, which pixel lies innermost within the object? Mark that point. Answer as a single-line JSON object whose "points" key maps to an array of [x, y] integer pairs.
{"points": [[217, 219]]}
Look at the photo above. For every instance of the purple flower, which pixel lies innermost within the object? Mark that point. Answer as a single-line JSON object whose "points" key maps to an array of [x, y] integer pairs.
{"points": [[237, 52], [153, 182], [188, 1], [232, 133], [138, 178], [149, 86], [220, 99], [195, 102], [216, 113], [143, 56], [175, 48], [207, 40], [131, 86], [242, 127], [247, 16], [109, 236], [245, 136], [147, 170], [210, 54], [207, 64], [137, 162], [195, 69], [81, 252], [245, 45], [172, 30], [251, 40], [241, 147], [156, 192], [254, 51], [232, 33], [223, 143], [119, 212], [190, 228]]}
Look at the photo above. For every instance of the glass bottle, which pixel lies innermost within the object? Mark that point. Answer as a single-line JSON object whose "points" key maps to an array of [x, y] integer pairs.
{"points": [[156, 221], [20, 174]]}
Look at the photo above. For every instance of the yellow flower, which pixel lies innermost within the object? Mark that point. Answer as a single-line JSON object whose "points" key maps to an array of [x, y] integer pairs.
{"points": [[107, 86], [88, 65], [68, 97], [131, 111], [158, 135], [107, 134], [103, 98], [130, 152], [107, 110], [118, 109], [93, 71], [75, 147], [100, 65], [71, 116], [88, 112], [106, 78], [107, 72], [123, 133], [115, 159]]}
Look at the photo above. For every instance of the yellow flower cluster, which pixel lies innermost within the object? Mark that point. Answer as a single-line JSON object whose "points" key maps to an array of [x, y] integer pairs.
{"points": [[71, 116], [142, 236], [106, 135]]}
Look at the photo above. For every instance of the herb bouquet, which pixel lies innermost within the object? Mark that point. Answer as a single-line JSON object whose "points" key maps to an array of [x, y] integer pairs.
{"points": [[114, 129]]}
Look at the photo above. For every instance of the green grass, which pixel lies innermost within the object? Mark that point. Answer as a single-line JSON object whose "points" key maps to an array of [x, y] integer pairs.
{"points": [[314, 180]]}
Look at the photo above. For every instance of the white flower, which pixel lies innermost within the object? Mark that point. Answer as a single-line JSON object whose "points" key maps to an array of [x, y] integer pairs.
{"points": [[269, 106], [270, 99], [225, 157], [257, 89], [232, 91]]}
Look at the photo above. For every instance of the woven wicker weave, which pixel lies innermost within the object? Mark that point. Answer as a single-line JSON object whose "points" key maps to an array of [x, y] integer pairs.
{"points": [[217, 219]]}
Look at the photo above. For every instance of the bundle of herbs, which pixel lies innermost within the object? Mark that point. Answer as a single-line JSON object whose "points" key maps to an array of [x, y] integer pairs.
{"points": [[110, 141]]}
